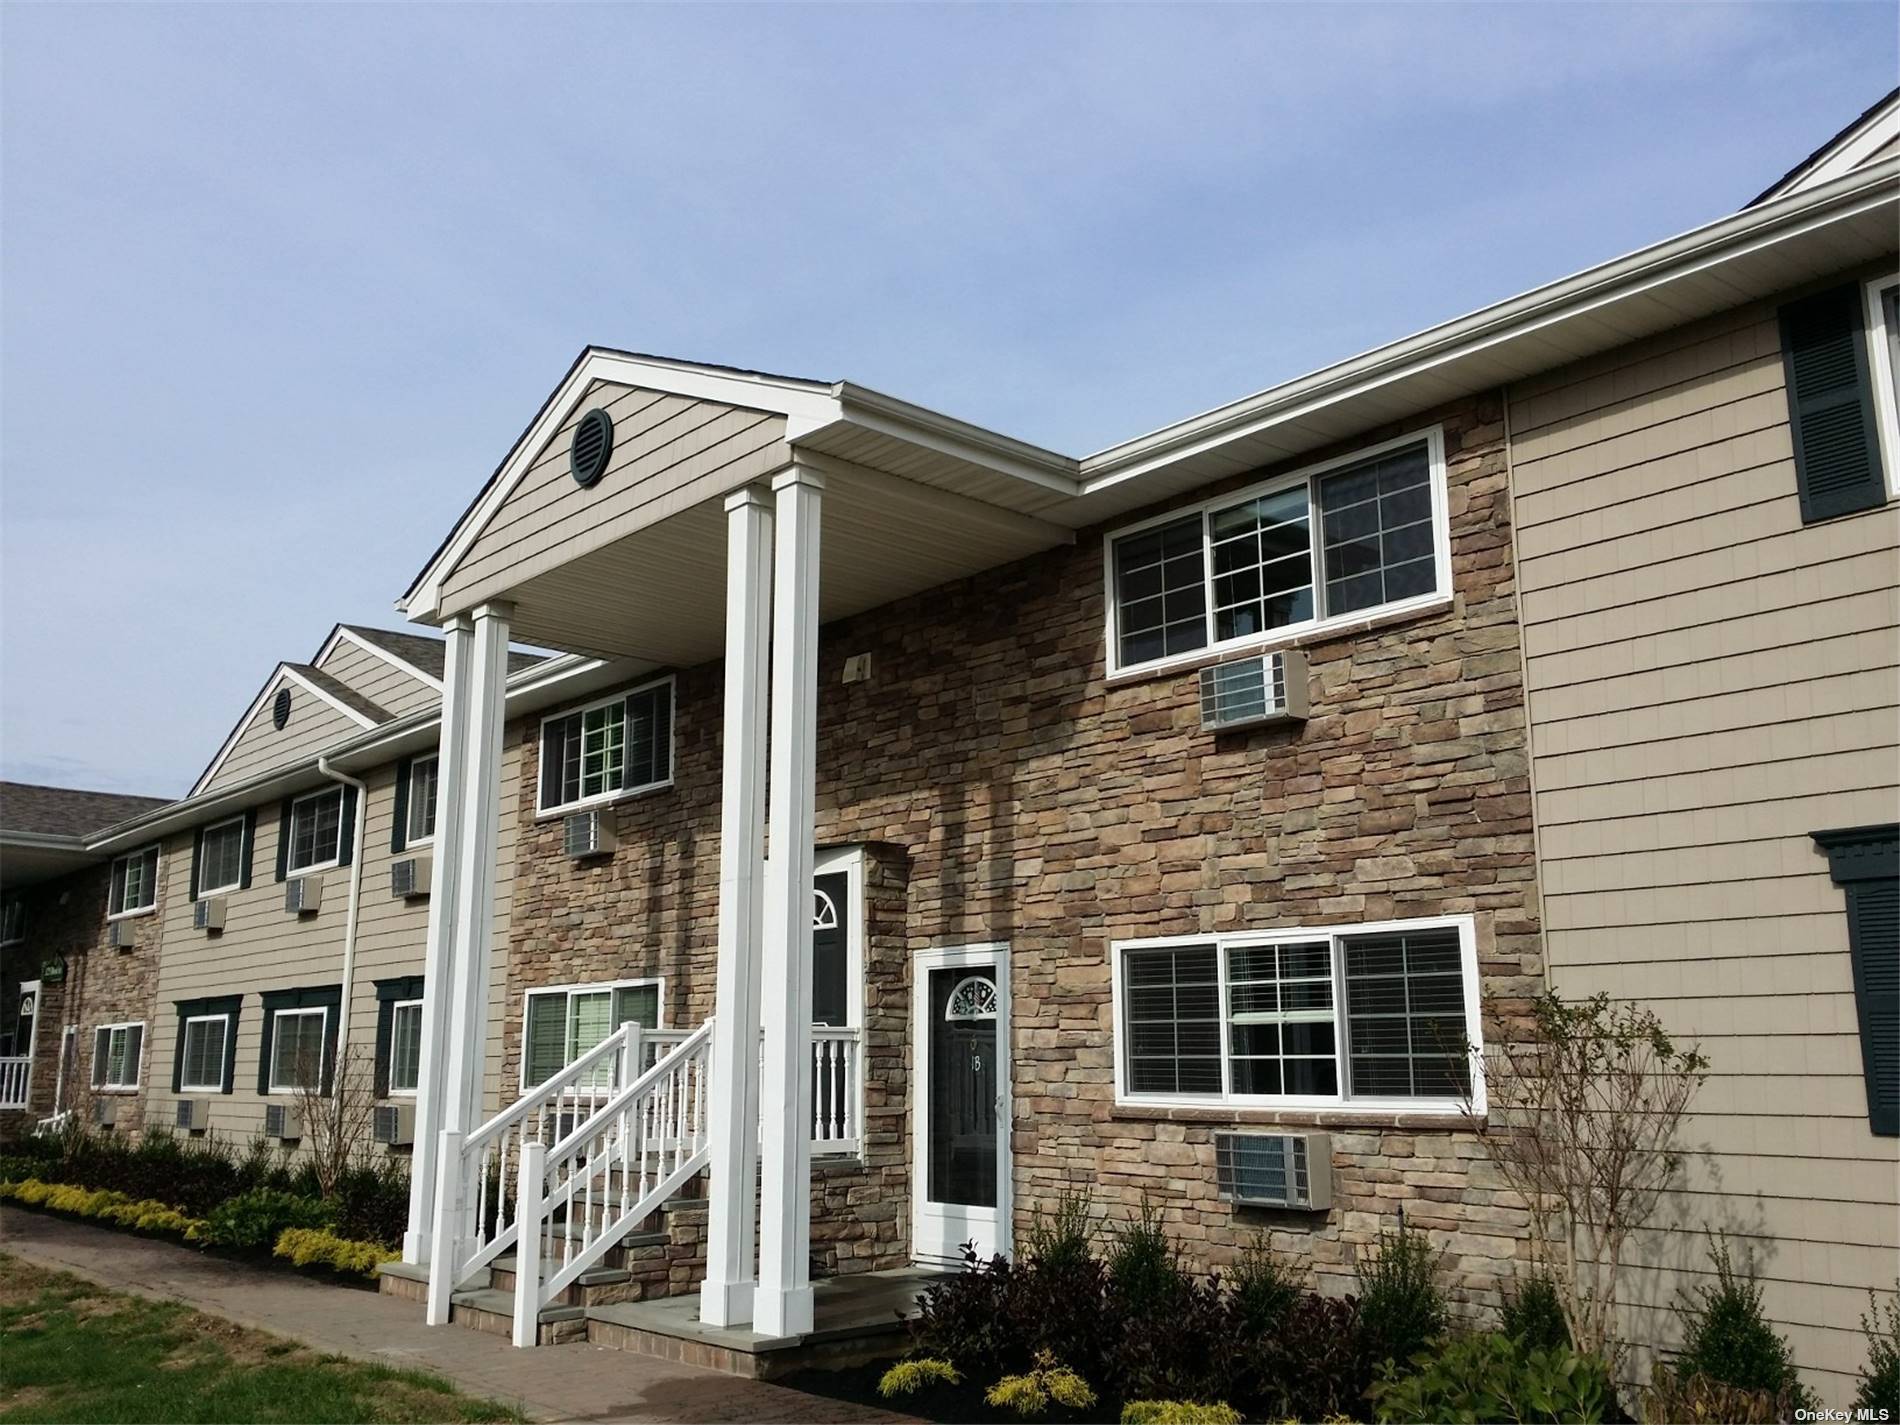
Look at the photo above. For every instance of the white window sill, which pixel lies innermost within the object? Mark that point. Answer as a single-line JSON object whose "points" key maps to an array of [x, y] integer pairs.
{"points": [[416, 843], [200, 1088], [606, 799], [133, 914], [1281, 638], [297, 875], [401, 1093], [118, 1092], [1308, 1113], [215, 891]]}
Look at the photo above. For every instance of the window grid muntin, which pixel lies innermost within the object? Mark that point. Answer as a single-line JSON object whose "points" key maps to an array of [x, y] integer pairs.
{"points": [[422, 794], [134, 886], [122, 1066], [405, 1046], [1394, 514], [221, 857], [316, 831], [1303, 997], [204, 1057], [645, 752], [1174, 612], [280, 1022]]}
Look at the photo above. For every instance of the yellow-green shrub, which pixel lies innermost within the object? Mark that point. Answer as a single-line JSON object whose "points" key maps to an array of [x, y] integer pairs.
{"points": [[104, 1205], [306, 1246], [908, 1376], [1029, 1394], [1178, 1412]]}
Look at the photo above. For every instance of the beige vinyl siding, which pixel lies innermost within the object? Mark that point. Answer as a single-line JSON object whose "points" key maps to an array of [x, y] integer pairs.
{"points": [[1710, 681], [669, 454], [379, 680], [314, 725]]}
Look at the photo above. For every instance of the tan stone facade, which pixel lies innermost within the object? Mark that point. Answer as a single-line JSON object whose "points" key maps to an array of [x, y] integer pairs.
{"points": [[1008, 794]]}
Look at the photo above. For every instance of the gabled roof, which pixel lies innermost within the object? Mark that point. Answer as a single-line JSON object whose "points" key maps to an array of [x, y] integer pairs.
{"points": [[1877, 126], [424, 653], [338, 691], [66, 811]]}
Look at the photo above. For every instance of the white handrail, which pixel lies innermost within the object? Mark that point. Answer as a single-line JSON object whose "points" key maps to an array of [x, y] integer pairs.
{"points": [[16, 1077]]}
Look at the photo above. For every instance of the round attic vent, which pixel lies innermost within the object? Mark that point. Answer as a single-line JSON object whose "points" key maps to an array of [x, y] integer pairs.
{"points": [[593, 444], [280, 708]]}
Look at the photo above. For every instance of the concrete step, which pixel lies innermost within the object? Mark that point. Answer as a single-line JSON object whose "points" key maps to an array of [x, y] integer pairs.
{"points": [[493, 1312]]}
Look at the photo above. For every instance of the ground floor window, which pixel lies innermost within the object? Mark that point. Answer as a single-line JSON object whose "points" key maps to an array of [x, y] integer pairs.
{"points": [[296, 1062], [563, 1023], [1370, 1014], [405, 1046], [202, 1070], [116, 1051]]}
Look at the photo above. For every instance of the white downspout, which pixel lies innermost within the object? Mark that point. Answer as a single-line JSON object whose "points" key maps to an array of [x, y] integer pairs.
{"points": [[349, 914]]}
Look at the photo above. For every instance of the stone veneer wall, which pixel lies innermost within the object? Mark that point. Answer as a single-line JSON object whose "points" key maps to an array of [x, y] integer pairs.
{"points": [[1011, 795]]}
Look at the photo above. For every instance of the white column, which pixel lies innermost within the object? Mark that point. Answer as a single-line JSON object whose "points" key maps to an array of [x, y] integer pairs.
{"points": [[437, 958], [783, 1306], [725, 1297]]}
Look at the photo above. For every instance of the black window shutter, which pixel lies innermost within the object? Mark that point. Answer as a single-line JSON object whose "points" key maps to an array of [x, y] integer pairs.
{"points": [[346, 827], [197, 851], [283, 850], [272, 1003], [116, 892], [178, 1050], [1865, 863], [230, 1045], [385, 1027], [553, 756], [399, 825], [244, 869], [1830, 405]]}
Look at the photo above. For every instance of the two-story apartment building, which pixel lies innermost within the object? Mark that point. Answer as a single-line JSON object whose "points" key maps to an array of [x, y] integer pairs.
{"points": [[954, 823]]}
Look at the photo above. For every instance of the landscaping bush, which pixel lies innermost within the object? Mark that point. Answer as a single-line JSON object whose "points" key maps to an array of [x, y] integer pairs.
{"points": [[1727, 1339], [1178, 1412], [372, 1203], [1264, 1287], [1065, 1238], [1312, 1366], [1400, 1305], [1880, 1377], [102, 1204], [1534, 1316], [1191, 1347], [909, 1377], [252, 1221], [1143, 1267], [1681, 1399], [1493, 1377], [1047, 1382], [967, 1319], [312, 1246]]}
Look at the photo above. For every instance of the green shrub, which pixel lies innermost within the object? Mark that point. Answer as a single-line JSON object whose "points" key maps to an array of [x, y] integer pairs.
{"points": [[1400, 1305], [1489, 1376], [312, 1246], [909, 1377], [1696, 1400], [1534, 1316], [1727, 1338], [1880, 1377], [1178, 1412], [103, 1205], [253, 1221], [1031, 1393], [1263, 1286], [1142, 1265], [1066, 1236]]}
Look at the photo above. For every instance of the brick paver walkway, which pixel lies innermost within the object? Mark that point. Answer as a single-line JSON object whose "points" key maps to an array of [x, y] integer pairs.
{"points": [[575, 1382]]}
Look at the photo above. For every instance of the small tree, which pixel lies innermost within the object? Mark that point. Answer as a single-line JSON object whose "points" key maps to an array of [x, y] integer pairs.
{"points": [[1586, 1103], [337, 1125]]}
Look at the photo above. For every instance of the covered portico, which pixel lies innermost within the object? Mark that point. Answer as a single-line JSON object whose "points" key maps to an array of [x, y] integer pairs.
{"points": [[666, 515]]}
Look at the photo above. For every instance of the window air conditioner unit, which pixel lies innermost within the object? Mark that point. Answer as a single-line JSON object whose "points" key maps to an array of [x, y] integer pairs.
{"points": [[281, 1120], [412, 877], [1275, 1169], [194, 1114], [303, 894], [119, 935], [395, 1124], [1252, 691], [208, 914], [588, 833], [104, 1110]]}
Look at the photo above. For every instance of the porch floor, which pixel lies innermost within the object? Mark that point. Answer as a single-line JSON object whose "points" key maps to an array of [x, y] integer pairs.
{"points": [[855, 1318]]}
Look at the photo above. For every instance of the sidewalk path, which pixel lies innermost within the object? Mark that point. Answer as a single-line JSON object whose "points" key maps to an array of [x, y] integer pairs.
{"points": [[574, 1382]]}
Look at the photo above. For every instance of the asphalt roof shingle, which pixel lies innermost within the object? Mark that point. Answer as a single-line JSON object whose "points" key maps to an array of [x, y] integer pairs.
{"points": [[419, 650], [67, 811]]}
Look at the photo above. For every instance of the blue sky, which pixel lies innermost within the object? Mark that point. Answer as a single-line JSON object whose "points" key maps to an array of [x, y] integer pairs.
{"points": [[280, 284]]}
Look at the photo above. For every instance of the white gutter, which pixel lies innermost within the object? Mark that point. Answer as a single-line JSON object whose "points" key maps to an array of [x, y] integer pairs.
{"points": [[349, 916]]}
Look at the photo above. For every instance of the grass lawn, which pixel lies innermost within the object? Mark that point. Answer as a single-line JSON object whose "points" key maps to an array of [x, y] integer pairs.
{"points": [[72, 1351]]}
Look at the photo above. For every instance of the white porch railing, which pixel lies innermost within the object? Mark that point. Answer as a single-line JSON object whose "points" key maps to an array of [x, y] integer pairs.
{"points": [[837, 1087], [16, 1079]]}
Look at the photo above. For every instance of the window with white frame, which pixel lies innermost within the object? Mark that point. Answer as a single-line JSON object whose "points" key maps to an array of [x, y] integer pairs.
{"points": [[1883, 331], [296, 1053], [201, 1067], [134, 883], [422, 780], [611, 748], [116, 1051], [221, 857], [1375, 1014], [405, 1046], [1337, 541], [316, 831], [562, 1024]]}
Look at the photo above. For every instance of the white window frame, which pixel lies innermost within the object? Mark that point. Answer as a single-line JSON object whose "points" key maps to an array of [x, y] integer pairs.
{"points": [[138, 1070], [1465, 925], [114, 879], [409, 837], [224, 1052], [545, 811], [206, 892], [1320, 625], [584, 987], [291, 872], [395, 1009], [277, 1043], [1880, 370]]}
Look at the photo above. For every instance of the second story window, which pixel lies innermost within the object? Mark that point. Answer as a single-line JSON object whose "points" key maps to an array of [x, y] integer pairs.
{"points": [[316, 831], [13, 922], [611, 748], [221, 857], [1318, 546], [421, 810], [134, 883]]}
